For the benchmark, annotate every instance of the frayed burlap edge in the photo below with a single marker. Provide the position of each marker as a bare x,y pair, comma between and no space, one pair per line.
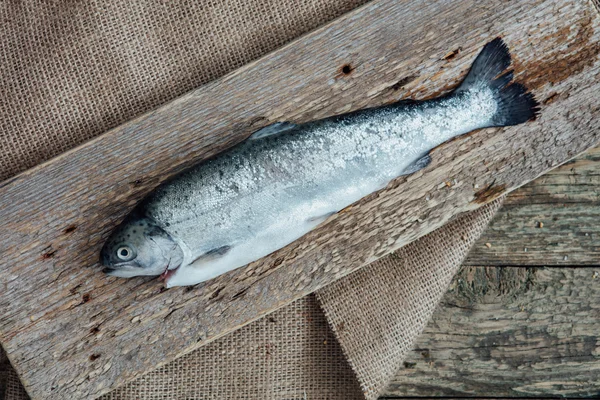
377,312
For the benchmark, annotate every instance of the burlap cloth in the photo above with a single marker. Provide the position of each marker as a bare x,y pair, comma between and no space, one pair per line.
72,70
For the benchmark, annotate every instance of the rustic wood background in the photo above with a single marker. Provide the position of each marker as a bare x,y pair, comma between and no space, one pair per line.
555,220
510,332
525,325
73,333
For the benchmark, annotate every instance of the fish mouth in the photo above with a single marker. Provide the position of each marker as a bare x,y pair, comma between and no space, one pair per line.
112,270
171,267
167,273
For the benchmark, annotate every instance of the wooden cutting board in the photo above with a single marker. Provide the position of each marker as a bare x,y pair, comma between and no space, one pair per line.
71,332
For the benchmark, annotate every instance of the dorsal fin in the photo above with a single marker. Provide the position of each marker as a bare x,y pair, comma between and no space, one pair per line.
273,129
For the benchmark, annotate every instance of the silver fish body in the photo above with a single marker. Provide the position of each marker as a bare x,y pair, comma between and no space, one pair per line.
286,179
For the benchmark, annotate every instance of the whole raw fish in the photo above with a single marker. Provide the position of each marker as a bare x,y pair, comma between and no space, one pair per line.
286,179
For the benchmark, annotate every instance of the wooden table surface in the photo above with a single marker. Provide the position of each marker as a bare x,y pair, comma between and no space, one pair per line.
522,317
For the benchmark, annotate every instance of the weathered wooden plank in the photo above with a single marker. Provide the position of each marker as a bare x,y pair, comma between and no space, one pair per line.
553,220
514,332
73,333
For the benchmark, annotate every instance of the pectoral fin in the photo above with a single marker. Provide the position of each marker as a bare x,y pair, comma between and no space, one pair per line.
210,255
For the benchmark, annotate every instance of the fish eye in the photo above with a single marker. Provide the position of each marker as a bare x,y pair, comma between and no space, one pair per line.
124,253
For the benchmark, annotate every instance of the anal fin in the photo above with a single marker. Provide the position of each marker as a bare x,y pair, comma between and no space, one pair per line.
273,129
320,218
417,165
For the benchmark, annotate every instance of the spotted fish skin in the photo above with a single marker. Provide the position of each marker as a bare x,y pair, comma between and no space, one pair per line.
286,179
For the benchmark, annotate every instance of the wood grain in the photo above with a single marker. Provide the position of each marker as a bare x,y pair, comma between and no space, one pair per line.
72,332
554,220
509,332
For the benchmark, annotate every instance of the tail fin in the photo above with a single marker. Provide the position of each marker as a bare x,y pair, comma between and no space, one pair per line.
515,104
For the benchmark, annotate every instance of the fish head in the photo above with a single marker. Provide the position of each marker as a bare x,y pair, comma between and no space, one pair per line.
140,247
